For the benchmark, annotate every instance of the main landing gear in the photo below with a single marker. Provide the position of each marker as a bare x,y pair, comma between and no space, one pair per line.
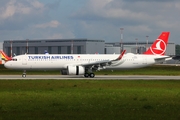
24,74
91,75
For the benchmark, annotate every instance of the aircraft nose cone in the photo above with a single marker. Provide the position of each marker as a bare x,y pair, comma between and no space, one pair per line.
7,65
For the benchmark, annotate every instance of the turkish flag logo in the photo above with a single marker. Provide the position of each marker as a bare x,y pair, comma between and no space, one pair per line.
159,47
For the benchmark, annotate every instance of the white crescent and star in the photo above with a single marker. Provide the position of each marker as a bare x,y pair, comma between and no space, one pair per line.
158,47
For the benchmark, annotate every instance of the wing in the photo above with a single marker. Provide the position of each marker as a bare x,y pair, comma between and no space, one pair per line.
103,62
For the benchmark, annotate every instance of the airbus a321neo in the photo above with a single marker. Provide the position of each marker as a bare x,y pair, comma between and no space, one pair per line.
85,64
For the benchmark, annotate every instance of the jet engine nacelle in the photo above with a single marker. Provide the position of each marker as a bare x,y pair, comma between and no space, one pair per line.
75,70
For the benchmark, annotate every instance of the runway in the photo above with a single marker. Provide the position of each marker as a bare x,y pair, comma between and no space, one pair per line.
97,77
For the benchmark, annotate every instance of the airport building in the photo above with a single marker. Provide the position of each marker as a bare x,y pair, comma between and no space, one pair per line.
139,48
76,46
54,46
1,45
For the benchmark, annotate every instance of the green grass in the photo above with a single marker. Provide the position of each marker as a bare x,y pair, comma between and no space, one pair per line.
89,99
151,70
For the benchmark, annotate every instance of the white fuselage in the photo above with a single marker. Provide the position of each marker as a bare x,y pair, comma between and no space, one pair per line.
61,61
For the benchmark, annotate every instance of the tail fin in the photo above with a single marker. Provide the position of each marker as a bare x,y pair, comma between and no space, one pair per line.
159,46
4,57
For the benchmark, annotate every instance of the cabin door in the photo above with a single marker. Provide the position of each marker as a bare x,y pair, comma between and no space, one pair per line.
24,60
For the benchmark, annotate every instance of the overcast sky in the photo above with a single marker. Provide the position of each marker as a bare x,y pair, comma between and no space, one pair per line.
91,19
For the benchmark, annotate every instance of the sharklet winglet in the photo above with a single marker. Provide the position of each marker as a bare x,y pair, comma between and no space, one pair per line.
121,55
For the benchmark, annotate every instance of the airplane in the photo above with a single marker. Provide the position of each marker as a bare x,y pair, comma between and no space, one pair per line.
85,64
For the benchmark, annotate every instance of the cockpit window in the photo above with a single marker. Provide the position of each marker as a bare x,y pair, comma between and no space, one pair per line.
14,59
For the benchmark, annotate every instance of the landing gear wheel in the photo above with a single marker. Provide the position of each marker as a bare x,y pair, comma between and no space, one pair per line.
91,75
86,75
23,75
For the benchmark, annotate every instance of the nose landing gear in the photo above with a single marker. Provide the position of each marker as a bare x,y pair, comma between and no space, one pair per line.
24,74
